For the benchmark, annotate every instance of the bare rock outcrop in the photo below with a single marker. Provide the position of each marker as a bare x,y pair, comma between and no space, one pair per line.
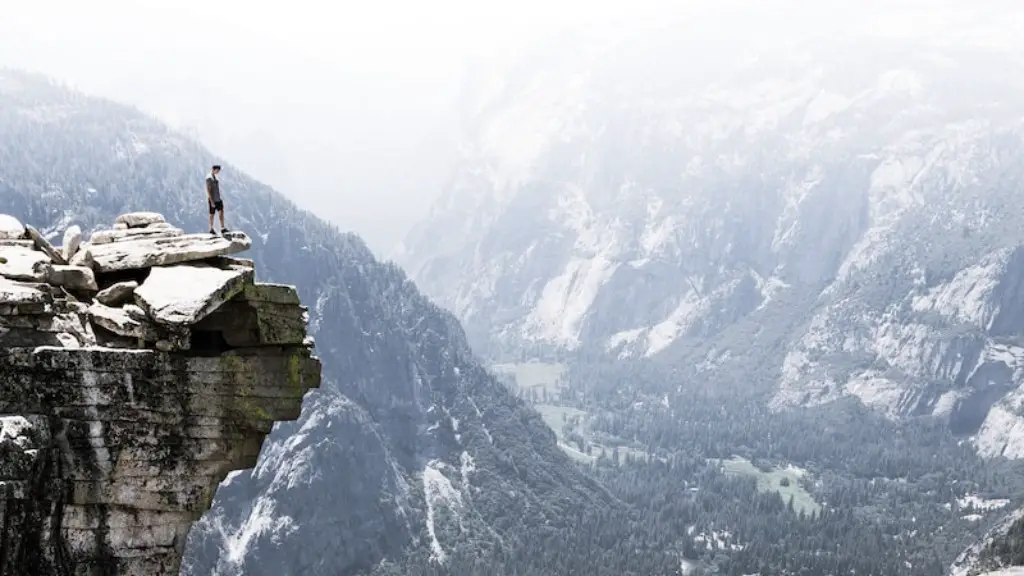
132,381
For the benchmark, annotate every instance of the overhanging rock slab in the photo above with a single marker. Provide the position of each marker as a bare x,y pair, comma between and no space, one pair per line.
150,252
184,294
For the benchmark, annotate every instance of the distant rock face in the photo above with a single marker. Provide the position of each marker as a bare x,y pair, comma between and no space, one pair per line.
820,228
129,391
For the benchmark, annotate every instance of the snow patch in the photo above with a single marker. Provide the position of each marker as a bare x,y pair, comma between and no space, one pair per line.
262,519
566,299
468,466
690,309
975,502
439,492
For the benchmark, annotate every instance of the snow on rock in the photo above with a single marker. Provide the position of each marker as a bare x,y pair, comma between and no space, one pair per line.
975,502
691,307
566,299
11,228
185,294
439,492
624,340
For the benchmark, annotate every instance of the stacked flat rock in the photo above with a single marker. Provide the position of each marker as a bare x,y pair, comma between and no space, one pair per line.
161,363
141,284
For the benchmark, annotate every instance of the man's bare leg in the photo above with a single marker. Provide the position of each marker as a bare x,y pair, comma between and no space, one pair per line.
222,226
211,221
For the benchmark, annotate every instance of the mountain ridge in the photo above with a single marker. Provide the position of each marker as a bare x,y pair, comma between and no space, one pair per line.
852,189
439,466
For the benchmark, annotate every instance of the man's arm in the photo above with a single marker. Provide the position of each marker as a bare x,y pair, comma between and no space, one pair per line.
209,191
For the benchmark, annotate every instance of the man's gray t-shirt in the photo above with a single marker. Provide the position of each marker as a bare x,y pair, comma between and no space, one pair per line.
213,188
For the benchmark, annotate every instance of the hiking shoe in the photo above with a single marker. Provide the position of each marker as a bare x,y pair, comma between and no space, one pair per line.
224,230
212,232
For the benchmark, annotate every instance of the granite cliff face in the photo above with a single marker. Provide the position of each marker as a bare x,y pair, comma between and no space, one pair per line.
136,371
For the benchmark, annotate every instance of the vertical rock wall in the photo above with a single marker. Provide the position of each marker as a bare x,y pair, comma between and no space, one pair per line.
136,371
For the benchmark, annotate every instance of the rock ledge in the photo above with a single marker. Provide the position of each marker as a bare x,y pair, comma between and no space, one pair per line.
137,369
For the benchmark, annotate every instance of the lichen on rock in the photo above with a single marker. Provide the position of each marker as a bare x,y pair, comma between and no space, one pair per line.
132,381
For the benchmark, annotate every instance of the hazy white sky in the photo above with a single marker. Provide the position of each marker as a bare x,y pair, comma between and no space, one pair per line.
350,107
347,107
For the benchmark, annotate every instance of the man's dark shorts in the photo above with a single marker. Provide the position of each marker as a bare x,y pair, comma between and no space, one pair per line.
216,206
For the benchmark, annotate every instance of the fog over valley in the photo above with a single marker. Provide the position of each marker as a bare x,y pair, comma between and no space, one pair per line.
606,288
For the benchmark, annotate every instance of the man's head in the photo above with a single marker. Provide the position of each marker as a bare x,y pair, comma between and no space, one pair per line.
216,169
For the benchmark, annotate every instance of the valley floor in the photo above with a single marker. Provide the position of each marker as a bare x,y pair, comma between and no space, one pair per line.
749,491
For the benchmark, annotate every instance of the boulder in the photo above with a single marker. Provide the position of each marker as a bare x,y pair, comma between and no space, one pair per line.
44,245
152,252
184,294
77,278
139,219
117,294
24,264
118,321
82,258
11,228
107,236
72,240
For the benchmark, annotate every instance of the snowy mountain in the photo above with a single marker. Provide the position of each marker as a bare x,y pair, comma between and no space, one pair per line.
410,459
839,219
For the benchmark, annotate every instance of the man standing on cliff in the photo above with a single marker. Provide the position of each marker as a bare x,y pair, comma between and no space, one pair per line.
216,204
